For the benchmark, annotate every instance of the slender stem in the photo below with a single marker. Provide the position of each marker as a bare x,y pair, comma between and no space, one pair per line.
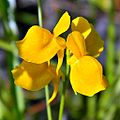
49,114
62,101
48,105
91,107
111,45
39,13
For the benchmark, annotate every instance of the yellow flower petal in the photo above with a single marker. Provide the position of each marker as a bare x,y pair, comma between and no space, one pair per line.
82,25
61,42
39,46
94,43
60,55
32,76
54,94
86,76
75,43
62,25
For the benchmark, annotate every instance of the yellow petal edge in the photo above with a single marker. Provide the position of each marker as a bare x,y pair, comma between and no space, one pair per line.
62,25
82,25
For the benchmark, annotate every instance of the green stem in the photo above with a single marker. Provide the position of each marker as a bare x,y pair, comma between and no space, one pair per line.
111,45
48,105
49,114
39,13
91,107
62,101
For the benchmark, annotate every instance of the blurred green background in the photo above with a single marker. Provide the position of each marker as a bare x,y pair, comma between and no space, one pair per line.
16,16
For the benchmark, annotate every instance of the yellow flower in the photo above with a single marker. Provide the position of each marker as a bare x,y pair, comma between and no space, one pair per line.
36,76
40,45
86,72
36,49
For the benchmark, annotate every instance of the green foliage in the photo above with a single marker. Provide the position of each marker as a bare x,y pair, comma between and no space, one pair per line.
4,5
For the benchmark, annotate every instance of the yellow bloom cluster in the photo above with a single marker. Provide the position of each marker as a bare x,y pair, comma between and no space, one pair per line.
39,46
